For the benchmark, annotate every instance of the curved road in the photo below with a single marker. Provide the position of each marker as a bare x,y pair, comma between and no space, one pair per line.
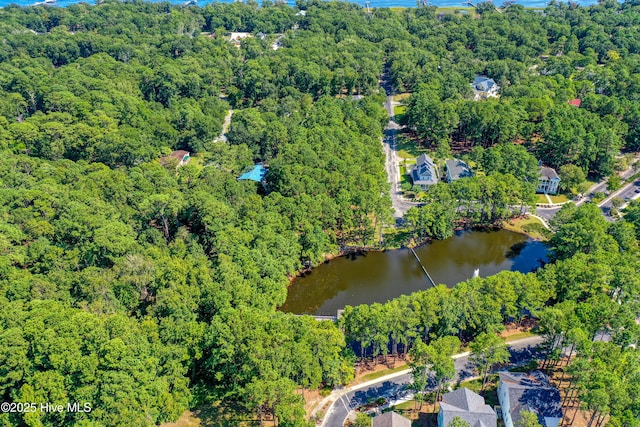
395,385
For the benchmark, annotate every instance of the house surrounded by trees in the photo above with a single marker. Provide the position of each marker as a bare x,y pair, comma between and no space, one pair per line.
484,87
182,156
529,392
468,406
548,180
456,169
424,173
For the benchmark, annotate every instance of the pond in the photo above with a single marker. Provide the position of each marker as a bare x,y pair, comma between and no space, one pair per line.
381,276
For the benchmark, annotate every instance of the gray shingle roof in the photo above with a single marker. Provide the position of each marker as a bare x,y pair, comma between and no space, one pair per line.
424,172
391,419
469,406
533,393
483,83
548,173
458,169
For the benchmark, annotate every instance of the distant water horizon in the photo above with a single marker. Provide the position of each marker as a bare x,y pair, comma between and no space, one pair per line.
373,3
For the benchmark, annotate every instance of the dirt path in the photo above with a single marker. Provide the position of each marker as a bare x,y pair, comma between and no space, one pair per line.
225,127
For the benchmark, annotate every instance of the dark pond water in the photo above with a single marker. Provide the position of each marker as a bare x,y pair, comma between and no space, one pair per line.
381,276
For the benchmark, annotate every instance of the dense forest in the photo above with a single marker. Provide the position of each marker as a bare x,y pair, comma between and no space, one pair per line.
146,289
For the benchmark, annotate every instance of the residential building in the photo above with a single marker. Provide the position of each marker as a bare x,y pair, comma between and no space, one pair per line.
182,156
424,173
575,102
548,180
237,37
484,87
256,174
529,392
456,169
467,405
390,419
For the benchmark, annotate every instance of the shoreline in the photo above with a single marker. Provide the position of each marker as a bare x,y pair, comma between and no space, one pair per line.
504,225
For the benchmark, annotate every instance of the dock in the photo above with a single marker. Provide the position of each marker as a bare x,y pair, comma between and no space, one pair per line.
426,273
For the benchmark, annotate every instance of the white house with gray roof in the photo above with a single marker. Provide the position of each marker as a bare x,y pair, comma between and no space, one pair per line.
548,180
456,169
424,173
484,87
467,405
523,392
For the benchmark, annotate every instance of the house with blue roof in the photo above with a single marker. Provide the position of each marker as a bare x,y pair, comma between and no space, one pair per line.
256,174
484,87
424,173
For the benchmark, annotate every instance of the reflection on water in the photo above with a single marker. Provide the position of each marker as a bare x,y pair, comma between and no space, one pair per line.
381,276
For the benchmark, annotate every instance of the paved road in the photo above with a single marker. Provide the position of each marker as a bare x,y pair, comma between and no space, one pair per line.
521,352
389,143
630,191
547,213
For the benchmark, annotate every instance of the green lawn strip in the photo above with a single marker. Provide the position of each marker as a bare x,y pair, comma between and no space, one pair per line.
376,375
400,97
559,198
519,336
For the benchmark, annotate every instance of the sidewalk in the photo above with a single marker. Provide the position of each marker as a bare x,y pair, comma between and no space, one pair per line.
542,220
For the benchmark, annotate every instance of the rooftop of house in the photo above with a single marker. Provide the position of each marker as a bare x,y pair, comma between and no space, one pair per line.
236,36
531,392
256,174
179,154
469,406
464,399
424,172
391,419
548,173
575,102
458,169
483,84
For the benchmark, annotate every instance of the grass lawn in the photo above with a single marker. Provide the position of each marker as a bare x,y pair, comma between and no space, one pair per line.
541,198
559,198
408,149
398,112
400,96
591,183
399,109
376,375
519,336
530,226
